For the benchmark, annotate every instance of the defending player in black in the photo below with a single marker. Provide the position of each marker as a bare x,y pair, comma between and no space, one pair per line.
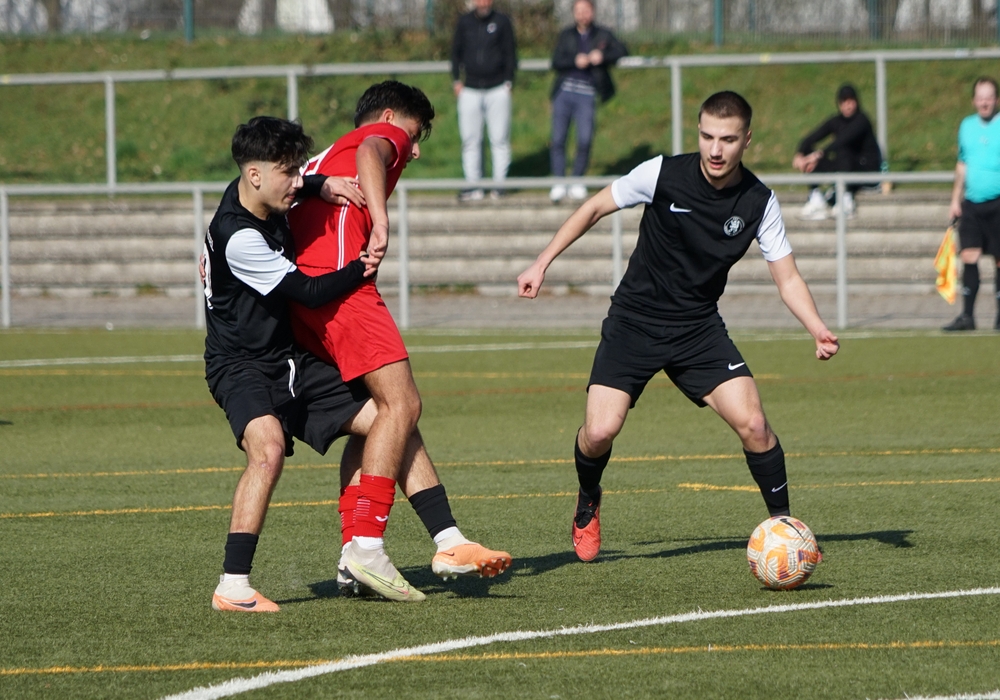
702,212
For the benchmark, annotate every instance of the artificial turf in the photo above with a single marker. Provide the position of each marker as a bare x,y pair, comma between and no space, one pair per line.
115,479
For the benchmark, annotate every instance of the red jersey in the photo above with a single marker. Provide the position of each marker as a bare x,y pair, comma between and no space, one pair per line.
328,236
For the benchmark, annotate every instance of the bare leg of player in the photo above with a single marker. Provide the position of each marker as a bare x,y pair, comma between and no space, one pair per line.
737,401
264,444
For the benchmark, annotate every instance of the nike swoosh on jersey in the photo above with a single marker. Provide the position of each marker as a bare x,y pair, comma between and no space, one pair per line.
675,208
732,366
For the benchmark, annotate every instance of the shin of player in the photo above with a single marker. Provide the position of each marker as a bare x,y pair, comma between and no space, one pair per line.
702,211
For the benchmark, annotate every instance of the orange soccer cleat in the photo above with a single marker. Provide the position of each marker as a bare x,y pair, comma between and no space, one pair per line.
470,559
238,596
587,527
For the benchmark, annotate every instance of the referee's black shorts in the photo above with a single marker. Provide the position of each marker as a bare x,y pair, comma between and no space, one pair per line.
697,357
307,395
980,226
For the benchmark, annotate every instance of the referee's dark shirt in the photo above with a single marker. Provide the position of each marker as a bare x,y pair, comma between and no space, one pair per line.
245,259
690,235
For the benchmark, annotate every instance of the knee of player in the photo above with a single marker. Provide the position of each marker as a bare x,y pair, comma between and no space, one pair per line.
756,428
599,435
269,460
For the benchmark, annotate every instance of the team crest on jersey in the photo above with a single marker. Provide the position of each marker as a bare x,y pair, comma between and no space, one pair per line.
491,27
733,226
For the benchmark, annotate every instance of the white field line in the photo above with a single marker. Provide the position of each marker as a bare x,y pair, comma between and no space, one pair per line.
414,350
242,685
992,695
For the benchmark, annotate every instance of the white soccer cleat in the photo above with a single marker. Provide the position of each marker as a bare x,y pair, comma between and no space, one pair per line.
371,569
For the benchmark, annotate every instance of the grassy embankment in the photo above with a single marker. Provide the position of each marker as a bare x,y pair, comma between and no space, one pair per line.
181,130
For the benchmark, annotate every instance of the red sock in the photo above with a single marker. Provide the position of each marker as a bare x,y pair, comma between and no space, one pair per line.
346,505
375,496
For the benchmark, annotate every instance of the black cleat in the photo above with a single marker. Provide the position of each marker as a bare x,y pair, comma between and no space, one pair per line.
962,323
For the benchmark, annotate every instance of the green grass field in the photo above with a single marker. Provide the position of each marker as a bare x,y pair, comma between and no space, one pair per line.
56,133
115,480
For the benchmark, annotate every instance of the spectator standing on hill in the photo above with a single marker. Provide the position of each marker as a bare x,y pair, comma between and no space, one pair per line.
484,48
975,198
581,59
854,149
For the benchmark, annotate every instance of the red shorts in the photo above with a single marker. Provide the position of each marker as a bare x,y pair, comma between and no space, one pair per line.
356,333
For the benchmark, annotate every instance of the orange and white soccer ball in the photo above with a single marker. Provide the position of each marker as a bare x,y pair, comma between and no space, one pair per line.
782,552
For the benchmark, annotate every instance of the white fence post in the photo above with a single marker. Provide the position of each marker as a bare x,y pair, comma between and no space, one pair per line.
4,258
110,147
404,259
198,209
676,107
293,96
841,253
881,106
616,249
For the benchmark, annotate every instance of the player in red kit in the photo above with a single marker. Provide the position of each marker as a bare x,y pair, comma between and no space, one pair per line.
358,335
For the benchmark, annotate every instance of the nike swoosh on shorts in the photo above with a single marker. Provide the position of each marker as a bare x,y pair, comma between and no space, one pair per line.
732,366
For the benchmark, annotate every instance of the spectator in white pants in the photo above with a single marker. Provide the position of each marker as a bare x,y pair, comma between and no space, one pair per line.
484,46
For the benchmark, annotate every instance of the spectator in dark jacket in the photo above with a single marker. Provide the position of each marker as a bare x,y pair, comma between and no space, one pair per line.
853,149
581,59
484,47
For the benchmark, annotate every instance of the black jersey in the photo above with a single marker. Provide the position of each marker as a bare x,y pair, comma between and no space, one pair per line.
690,235
245,259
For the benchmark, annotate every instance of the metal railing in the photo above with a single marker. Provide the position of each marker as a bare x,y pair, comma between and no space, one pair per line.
402,233
676,64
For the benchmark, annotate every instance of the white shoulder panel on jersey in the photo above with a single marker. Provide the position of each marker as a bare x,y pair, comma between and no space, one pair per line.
254,263
771,233
312,166
639,185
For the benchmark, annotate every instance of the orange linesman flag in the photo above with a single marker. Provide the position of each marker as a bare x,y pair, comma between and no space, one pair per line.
946,264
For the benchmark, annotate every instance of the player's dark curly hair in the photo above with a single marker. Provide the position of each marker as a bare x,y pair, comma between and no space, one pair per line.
405,100
727,104
271,140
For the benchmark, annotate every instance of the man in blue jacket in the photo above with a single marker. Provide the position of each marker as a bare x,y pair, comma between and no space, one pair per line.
485,48
581,59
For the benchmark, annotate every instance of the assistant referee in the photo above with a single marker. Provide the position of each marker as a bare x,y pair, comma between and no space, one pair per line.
702,212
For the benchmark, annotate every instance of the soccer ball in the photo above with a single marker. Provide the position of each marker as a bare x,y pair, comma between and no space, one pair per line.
782,552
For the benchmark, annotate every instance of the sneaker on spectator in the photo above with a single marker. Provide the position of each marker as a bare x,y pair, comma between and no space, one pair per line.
470,195
557,193
816,208
577,192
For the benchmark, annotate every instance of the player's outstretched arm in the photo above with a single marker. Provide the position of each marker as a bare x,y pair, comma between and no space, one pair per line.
579,222
374,157
795,293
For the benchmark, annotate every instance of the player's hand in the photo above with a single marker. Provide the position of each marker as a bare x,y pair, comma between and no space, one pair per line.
342,190
378,244
530,281
201,268
596,57
955,210
826,345
457,86
582,60
371,264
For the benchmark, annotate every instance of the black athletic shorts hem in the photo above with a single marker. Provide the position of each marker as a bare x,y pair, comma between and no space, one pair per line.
979,226
697,357
305,394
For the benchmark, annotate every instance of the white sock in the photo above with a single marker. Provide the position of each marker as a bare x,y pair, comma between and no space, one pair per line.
226,578
450,537
372,544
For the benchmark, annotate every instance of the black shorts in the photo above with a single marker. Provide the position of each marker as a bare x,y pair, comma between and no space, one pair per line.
980,226
307,395
697,357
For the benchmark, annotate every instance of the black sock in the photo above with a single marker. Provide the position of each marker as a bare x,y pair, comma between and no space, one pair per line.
589,471
970,287
433,509
768,470
240,548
